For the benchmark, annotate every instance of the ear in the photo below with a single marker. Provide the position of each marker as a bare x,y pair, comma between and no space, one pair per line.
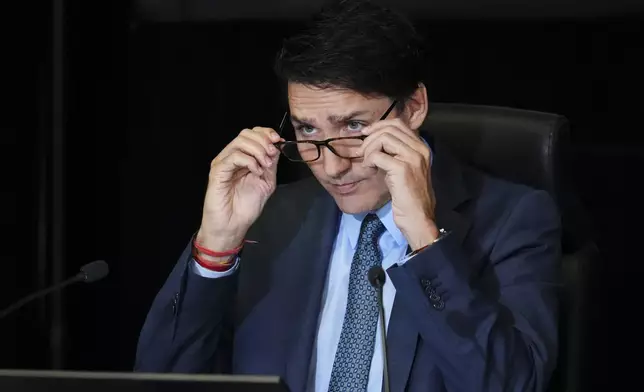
416,108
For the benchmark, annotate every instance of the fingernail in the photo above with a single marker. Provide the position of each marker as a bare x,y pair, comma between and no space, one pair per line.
272,149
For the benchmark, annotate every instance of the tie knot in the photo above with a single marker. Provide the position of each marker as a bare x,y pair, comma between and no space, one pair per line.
372,228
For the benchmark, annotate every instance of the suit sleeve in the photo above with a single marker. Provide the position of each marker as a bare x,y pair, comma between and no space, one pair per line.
186,328
493,327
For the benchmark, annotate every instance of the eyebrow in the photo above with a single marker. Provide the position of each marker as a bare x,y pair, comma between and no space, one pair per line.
332,119
345,118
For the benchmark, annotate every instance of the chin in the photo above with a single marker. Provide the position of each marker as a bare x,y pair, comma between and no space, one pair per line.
357,203
350,207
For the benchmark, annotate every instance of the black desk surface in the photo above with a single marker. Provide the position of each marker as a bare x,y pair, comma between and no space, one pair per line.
72,381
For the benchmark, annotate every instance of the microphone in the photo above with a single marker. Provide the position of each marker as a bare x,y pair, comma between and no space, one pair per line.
377,279
91,272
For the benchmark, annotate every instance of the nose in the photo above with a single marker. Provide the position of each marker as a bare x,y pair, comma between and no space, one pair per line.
334,166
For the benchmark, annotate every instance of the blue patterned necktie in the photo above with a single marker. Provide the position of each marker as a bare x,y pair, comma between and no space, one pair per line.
357,339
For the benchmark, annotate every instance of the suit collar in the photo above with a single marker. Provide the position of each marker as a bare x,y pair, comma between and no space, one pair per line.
446,176
450,190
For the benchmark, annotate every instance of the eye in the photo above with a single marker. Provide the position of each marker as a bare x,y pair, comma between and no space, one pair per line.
305,130
354,126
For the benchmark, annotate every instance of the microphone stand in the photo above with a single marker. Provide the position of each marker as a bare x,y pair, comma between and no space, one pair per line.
38,294
383,336
90,272
377,278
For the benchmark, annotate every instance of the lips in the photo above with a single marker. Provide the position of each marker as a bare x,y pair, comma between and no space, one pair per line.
347,188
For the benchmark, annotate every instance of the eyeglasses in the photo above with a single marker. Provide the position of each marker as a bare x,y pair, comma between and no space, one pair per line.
309,150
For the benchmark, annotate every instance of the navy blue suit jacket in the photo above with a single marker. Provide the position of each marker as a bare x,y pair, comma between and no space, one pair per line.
477,311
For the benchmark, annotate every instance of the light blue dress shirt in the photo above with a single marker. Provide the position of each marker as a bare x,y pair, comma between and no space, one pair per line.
334,301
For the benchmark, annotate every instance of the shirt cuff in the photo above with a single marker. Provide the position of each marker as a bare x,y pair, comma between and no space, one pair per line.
206,273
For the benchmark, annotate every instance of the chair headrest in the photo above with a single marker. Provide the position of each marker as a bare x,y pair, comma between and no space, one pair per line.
517,145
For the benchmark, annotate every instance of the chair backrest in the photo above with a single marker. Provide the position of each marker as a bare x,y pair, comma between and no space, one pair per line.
528,147
522,146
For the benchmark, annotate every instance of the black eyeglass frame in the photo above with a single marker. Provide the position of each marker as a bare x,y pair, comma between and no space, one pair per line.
321,143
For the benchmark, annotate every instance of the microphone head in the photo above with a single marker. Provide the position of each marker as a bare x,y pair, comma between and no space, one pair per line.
377,276
96,270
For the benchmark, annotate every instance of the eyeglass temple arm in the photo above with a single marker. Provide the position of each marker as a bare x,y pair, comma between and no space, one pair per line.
281,127
393,104
282,123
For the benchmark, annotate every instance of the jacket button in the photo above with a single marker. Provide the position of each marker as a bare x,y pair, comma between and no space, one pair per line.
439,305
175,303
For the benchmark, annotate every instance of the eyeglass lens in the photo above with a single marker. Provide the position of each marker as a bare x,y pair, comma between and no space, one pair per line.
307,152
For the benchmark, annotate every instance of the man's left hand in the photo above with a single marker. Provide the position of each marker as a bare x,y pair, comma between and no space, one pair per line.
405,159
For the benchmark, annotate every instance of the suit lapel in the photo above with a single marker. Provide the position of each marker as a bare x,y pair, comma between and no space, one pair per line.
402,338
308,260
450,192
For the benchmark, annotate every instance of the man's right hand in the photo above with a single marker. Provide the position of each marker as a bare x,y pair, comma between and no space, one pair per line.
242,178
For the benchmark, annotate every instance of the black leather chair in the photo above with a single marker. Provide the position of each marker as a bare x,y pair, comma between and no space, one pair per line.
531,148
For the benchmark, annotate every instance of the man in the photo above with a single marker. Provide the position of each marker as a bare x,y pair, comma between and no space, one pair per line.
471,261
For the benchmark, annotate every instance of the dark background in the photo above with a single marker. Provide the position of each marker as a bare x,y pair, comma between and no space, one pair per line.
149,101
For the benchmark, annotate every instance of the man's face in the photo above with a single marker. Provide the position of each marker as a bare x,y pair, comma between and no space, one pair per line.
320,114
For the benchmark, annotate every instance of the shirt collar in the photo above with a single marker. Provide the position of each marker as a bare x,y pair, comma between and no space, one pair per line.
352,223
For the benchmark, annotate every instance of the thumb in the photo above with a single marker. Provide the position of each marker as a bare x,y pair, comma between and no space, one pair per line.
271,171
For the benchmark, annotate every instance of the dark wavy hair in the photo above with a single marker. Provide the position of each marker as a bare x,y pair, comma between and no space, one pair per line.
356,45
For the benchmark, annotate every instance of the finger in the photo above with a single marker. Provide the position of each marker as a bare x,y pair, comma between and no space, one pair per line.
264,137
270,133
386,142
412,150
274,160
271,172
381,160
239,160
407,135
252,147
